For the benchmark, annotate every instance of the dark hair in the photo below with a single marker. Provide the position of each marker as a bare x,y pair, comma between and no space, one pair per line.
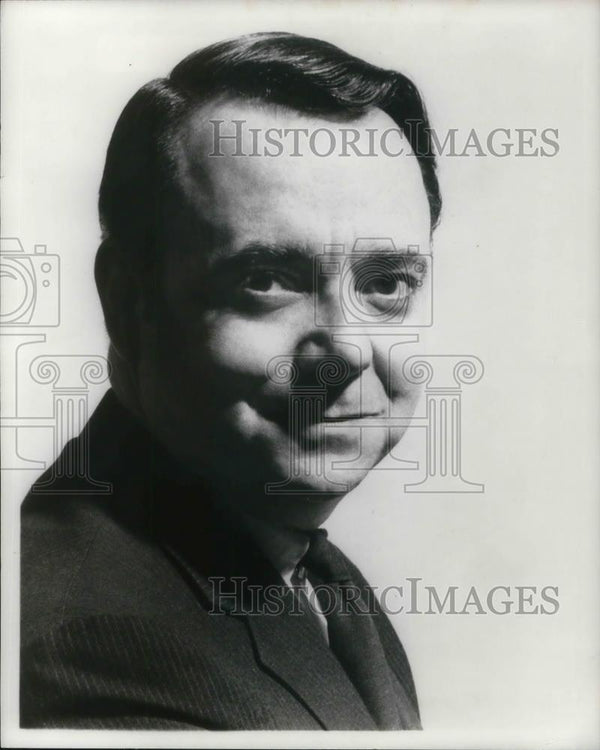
307,75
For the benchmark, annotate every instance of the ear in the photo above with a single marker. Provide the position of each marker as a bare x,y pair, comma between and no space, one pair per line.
120,295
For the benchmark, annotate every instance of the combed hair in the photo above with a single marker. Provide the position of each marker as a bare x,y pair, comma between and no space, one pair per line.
307,75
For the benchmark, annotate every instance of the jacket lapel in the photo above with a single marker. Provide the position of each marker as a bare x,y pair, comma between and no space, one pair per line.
292,648
288,646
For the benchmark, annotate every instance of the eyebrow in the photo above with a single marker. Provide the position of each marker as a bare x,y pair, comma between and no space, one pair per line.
383,250
266,252
294,255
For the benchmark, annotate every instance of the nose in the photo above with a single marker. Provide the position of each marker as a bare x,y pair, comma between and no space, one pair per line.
330,335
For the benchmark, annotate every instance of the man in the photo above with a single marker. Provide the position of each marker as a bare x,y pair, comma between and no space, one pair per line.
196,595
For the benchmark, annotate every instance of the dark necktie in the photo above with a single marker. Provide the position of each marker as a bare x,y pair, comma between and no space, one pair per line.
353,637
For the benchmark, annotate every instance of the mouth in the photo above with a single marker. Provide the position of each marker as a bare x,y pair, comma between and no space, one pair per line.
340,432
331,417
351,417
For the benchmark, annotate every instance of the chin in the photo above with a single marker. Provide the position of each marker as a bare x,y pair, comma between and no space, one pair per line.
301,507
317,476
339,482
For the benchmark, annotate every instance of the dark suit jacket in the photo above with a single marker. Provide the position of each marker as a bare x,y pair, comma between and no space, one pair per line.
115,602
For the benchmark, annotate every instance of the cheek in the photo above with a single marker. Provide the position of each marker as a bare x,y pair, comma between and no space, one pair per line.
389,357
238,346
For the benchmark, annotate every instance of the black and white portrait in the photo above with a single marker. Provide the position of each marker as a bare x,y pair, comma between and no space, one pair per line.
299,373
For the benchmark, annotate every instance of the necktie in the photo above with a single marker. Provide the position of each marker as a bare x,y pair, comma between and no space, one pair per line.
353,636
299,581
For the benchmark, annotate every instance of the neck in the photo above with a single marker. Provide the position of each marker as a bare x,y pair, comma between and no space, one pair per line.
280,525
283,547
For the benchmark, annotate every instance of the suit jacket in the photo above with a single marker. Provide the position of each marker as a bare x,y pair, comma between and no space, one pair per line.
117,592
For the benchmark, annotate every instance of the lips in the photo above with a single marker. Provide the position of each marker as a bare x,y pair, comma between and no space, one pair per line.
351,417
280,414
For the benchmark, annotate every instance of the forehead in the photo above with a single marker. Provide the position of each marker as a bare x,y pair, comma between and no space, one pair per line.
299,196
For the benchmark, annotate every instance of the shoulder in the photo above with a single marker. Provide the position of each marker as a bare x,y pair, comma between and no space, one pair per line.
86,554
110,627
80,557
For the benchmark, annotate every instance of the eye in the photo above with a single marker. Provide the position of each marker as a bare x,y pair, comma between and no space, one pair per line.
268,289
386,285
264,282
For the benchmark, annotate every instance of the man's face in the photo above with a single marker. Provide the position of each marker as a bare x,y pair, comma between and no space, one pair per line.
241,294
